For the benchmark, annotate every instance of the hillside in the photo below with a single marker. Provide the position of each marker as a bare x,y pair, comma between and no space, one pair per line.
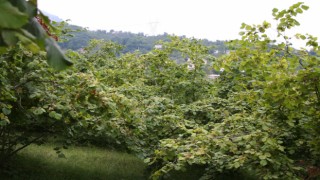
130,41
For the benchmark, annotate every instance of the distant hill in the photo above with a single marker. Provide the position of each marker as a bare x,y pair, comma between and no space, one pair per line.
130,41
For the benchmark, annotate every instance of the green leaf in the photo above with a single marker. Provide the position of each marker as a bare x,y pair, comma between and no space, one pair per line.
29,43
263,162
6,111
295,5
305,7
11,17
236,165
36,30
147,160
262,157
281,13
56,58
25,7
266,25
299,10
55,115
274,10
243,25
39,111
261,29
9,37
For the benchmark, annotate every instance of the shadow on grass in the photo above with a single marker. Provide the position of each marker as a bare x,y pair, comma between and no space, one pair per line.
91,163
36,168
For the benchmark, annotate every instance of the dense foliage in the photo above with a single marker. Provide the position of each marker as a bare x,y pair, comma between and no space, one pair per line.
260,118
265,114
25,33
21,21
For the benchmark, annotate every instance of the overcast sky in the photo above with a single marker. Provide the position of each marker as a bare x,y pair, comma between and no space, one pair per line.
211,19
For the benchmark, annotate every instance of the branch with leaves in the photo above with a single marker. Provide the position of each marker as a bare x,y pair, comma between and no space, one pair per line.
22,21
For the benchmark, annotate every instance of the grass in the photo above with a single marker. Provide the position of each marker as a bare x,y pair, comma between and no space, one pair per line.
88,163
81,163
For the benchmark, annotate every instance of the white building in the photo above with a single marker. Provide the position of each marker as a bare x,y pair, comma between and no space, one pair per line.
158,46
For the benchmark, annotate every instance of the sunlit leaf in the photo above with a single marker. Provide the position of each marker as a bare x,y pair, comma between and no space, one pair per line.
55,115
305,7
39,111
274,10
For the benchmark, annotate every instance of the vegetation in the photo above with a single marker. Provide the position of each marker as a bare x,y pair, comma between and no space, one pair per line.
40,162
131,42
260,119
265,110
21,21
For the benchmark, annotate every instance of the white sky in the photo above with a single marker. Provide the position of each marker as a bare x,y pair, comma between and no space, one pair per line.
211,19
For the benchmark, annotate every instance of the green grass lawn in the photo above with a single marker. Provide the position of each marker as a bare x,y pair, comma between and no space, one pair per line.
41,162
87,163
